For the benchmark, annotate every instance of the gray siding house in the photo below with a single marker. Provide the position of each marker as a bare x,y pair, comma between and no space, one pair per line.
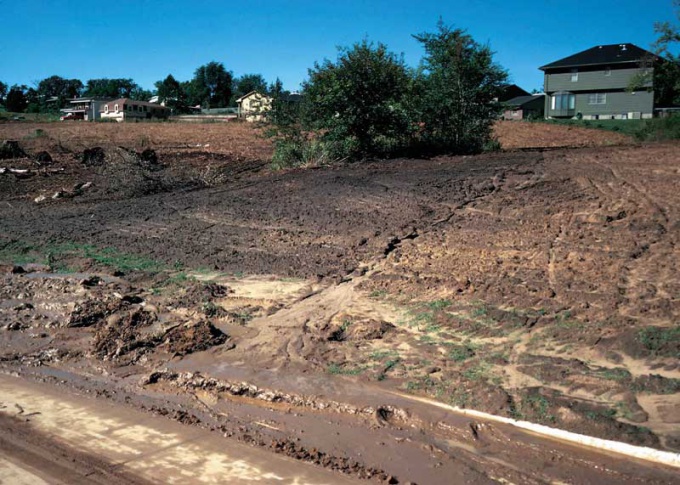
593,84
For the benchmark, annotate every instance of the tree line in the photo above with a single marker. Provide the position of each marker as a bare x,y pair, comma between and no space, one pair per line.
212,86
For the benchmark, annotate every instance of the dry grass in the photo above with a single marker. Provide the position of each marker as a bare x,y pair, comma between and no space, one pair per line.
246,142
517,134
240,140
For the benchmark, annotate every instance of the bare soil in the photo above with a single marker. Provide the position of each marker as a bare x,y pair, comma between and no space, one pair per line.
538,284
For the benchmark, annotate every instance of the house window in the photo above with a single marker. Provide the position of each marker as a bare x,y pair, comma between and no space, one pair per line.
106,108
608,71
574,75
597,98
563,101
115,108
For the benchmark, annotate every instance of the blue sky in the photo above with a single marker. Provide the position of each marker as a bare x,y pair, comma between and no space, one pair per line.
148,39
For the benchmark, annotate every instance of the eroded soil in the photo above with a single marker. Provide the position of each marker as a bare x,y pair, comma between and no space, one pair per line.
286,309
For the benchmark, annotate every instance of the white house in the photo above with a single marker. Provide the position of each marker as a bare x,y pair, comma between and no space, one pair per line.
254,106
88,109
125,109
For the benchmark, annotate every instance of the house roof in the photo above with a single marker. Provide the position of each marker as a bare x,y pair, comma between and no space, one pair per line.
602,54
520,101
124,101
88,99
509,91
252,93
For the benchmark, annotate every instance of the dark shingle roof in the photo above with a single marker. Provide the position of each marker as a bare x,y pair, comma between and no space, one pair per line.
602,54
522,100
509,91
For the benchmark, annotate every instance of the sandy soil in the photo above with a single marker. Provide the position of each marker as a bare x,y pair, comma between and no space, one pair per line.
286,308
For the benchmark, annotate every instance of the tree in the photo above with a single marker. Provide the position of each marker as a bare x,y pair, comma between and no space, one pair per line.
171,93
247,83
3,92
359,100
211,86
661,71
140,94
276,88
110,88
667,73
57,89
16,101
454,92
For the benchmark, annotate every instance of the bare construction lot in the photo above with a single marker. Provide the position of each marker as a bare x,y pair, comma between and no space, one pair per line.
165,268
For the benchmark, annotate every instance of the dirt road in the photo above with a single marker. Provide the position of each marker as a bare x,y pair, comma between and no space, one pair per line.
73,439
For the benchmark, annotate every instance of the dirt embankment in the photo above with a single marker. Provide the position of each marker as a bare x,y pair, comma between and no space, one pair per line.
535,285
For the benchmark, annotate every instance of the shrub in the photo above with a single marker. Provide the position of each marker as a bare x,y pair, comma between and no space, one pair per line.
660,129
455,92
358,103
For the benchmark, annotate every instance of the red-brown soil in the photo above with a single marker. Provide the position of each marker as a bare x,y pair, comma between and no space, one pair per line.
539,285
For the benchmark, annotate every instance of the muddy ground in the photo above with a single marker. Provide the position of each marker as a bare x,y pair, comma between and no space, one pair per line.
285,307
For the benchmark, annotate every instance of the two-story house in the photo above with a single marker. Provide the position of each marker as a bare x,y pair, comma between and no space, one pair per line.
88,109
593,84
254,106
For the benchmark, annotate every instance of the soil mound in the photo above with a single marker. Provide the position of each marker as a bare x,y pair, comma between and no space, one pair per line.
194,337
43,158
123,173
122,336
10,149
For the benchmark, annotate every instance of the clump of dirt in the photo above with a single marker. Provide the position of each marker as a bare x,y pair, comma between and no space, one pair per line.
356,330
193,337
344,465
93,157
149,160
121,336
368,329
43,158
92,311
123,173
10,149
202,295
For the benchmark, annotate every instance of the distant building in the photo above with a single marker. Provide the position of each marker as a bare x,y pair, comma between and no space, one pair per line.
510,91
125,109
254,106
524,107
592,84
88,109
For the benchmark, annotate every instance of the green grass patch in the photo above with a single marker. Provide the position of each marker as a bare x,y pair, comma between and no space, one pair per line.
58,255
626,127
18,252
645,130
438,305
616,374
540,407
479,371
336,369
661,341
382,354
460,353
378,294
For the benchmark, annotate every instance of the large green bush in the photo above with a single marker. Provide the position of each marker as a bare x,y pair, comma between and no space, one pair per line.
359,101
369,104
455,92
